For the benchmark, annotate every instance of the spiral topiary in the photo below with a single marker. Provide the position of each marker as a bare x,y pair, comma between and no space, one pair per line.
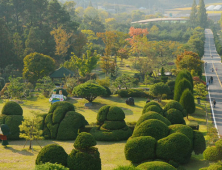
52,153
176,147
139,149
12,116
151,127
152,115
150,104
62,122
112,126
157,165
84,156
174,116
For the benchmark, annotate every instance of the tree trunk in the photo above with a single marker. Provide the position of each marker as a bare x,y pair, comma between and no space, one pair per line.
30,145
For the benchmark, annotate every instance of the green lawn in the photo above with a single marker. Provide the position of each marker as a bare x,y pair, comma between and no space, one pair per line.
112,153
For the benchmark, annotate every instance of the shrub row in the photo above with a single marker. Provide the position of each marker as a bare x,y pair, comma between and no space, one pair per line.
133,93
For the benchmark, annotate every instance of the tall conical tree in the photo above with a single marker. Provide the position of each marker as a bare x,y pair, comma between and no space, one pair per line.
202,14
193,14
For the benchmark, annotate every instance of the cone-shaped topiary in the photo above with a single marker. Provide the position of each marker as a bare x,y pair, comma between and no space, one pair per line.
139,149
62,122
174,116
157,165
150,104
112,126
52,153
184,74
12,116
182,85
84,156
84,140
151,127
176,147
187,101
199,143
152,115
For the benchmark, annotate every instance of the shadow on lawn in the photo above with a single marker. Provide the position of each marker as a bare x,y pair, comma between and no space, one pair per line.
22,152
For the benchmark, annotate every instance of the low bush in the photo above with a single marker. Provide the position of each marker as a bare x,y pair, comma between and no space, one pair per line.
114,135
199,143
176,147
139,149
52,153
132,93
115,114
126,168
150,104
13,122
215,166
152,115
50,166
12,108
212,154
114,125
152,127
84,140
157,165
174,116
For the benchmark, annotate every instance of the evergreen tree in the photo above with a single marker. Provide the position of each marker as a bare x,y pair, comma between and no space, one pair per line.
164,78
202,15
180,87
187,101
193,14
18,49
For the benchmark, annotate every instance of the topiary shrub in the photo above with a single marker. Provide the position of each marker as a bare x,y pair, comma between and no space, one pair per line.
171,85
150,104
84,156
176,147
212,154
132,93
12,108
139,149
126,168
50,166
182,85
184,74
199,143
174,116
62,122
155,109
173,105
108,92
151,127
152,115
64,92
112,126
52,153
157,165
216,166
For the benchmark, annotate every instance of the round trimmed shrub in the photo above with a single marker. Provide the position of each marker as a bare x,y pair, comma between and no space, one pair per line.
50,166
111,135
87,160
139,149
218,144
126,168
114,125
199,143
12,108
52,153
115,114
173,105
174,116
102,114
216,166
155,109
152,115
212,154
176,147
151,127
179,89
64,92
13,122
84,140
184,129
150,104
157,165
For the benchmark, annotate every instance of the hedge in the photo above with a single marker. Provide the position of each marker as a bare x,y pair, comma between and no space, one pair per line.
84,140
157,165
152,115
139,149
212,154
12,108
115,114
133,93
114,125
114,135
13,122
102,113
199,143
174,116
50,166
151,127
88,160
150,104
52,153
176,147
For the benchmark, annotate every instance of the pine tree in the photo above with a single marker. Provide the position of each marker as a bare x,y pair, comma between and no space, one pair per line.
202,15
187,101
29,130
193,14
